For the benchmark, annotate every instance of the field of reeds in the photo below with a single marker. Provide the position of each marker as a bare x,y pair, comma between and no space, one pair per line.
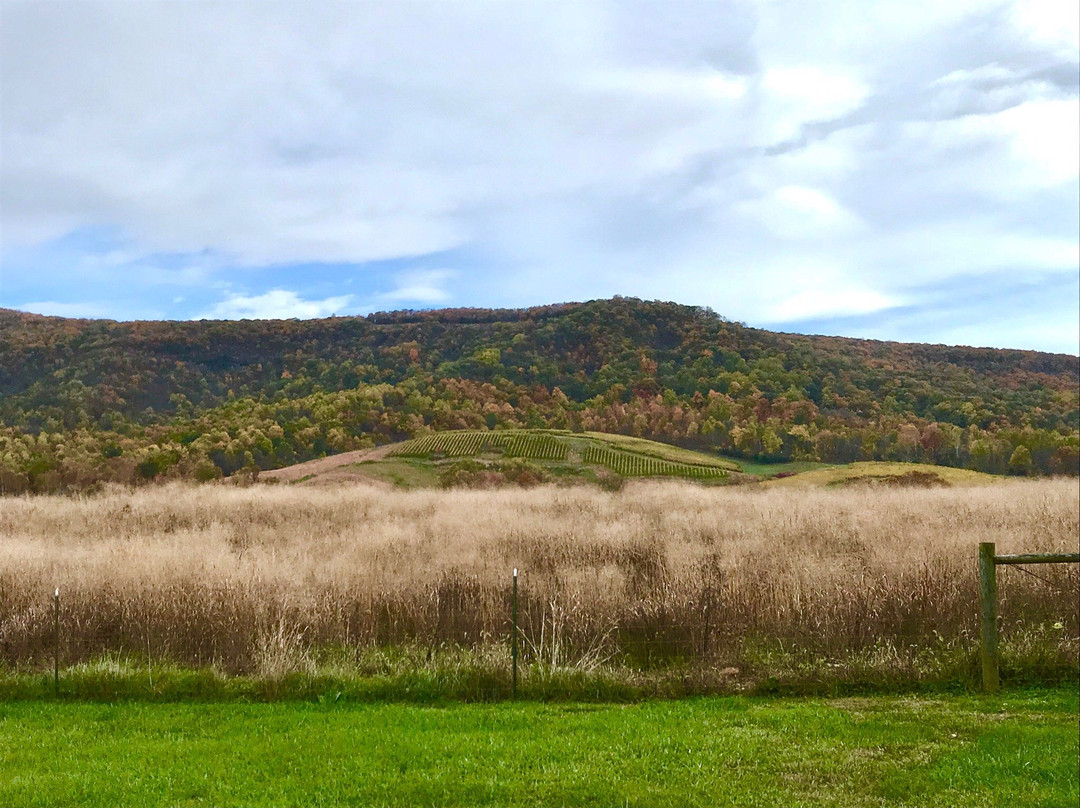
712,588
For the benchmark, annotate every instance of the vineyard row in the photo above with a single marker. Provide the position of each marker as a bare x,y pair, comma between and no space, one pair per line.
632,465
466,444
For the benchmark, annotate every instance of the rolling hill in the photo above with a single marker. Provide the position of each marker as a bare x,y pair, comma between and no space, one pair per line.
878,473
521,456
85,401
532,456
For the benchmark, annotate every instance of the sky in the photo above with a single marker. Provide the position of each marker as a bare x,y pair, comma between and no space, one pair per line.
891,170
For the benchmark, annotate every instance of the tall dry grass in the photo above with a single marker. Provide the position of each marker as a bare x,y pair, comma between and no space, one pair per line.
265,579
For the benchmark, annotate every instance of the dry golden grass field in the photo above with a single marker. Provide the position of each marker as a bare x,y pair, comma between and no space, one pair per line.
736,585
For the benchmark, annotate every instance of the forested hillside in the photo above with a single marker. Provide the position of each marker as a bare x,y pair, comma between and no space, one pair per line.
83,401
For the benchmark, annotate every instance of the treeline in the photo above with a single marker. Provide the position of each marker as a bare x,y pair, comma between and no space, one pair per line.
87,401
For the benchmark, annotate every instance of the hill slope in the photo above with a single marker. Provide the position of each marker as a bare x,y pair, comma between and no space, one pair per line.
877,473
522,456
86,400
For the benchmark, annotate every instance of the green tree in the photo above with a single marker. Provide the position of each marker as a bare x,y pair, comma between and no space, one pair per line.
1020,461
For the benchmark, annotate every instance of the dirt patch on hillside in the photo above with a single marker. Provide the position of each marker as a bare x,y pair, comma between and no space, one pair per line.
329,469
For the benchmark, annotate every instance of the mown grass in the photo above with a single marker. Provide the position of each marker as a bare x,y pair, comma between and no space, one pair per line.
401,472
772,469
1020,749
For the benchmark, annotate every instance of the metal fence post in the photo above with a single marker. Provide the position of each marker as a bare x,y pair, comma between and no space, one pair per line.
988,596
514,641
56,642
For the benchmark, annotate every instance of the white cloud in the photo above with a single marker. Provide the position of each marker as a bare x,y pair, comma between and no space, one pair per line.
1053,24
831,302
542,152
816,92
1044,140
1025,148
991,72
277,304
798,212
425,287
695,85
418,288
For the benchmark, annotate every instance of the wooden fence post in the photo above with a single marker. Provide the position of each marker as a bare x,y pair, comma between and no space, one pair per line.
988,596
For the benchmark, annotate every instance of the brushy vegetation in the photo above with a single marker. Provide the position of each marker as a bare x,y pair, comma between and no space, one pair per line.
876,473
662,588
1017,750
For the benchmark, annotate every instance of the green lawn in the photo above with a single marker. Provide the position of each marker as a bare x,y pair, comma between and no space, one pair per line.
402,472
1018,749
772,469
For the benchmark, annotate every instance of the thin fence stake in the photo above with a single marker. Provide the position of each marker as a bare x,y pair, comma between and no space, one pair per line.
988,595
56,642
514,640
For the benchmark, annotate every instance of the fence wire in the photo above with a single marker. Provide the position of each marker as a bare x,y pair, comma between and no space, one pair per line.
26,636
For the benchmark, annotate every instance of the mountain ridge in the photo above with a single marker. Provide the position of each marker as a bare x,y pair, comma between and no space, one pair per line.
677,373
480,315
